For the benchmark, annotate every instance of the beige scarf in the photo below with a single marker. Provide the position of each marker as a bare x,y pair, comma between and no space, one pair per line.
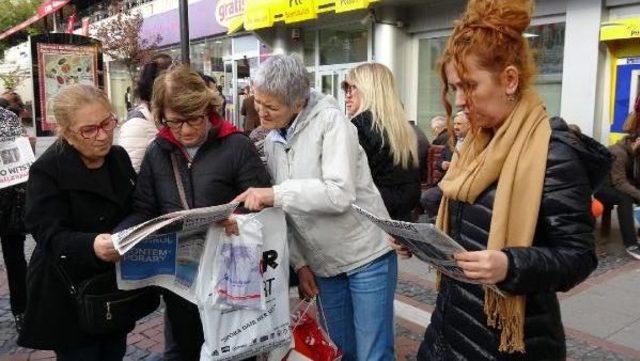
516,157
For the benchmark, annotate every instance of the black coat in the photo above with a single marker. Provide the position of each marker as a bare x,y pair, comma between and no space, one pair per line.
65,211
222,168
399,187
442,138
562,256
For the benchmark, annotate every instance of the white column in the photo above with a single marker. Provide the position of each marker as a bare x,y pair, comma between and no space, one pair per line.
389,44
580,70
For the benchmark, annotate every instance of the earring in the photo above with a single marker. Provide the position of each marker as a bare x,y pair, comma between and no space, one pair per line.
511,98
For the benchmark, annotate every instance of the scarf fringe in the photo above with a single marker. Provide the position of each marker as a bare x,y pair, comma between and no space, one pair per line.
507,315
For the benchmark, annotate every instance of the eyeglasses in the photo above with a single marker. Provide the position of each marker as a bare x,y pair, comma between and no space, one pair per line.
91,131
347,87
177,124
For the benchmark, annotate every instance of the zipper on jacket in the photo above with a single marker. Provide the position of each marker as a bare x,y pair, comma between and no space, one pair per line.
108,315
458,220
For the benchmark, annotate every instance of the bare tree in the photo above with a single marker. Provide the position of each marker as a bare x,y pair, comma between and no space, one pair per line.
121,40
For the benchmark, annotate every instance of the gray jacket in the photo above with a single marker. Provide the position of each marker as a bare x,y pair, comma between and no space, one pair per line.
318,172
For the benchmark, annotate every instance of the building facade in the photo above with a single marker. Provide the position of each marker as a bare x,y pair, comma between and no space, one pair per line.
587,51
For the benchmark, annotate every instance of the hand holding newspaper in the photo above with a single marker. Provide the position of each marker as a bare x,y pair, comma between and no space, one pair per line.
427,243
192,219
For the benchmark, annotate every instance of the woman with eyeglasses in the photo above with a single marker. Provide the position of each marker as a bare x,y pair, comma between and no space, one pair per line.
391,144
319,171
215,163
77,192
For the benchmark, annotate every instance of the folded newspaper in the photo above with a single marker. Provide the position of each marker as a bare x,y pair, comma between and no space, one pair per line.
426,242
186,220
166,251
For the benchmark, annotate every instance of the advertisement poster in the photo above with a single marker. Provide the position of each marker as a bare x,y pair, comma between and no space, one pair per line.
16,156
155,256
61,65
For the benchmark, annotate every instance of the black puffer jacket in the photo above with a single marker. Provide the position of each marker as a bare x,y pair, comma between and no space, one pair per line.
399,187
561,257
222,168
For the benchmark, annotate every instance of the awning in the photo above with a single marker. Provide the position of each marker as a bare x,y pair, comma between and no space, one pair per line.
620,29
261,14
48,7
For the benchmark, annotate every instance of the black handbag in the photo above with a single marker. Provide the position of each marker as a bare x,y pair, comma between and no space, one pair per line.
103,309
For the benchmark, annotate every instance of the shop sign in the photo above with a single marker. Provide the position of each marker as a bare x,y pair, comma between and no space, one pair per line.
620,29
230,13
349,5
258,15
298,10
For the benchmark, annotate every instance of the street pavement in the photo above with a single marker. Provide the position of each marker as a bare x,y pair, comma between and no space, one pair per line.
601,315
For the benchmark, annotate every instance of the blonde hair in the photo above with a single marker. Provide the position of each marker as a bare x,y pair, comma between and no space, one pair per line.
183,91
380,96
70,99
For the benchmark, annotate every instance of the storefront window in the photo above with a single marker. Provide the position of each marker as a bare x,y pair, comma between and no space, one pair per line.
547,44
429,83
309,44
344,44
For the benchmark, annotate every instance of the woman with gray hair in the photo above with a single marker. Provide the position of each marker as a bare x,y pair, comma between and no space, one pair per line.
319,170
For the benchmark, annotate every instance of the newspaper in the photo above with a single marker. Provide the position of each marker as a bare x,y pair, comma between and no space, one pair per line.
16,156
186,261
186,220
427,243
166,251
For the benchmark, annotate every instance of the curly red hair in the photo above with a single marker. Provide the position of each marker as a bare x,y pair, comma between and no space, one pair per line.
491,33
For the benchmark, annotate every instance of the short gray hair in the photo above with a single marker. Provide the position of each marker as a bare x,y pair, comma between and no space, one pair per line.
438,122
283,76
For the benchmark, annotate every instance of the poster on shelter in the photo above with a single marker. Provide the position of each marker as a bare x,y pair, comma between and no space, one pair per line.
59,66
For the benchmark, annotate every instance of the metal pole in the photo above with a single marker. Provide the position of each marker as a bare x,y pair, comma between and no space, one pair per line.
184,30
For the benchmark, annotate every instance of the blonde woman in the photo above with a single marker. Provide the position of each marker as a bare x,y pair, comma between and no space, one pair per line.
385,134
78,190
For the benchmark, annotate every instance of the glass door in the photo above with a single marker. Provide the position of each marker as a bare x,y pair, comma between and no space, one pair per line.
329,82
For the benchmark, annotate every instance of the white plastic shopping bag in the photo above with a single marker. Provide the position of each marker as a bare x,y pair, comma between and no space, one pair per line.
236,334
237,280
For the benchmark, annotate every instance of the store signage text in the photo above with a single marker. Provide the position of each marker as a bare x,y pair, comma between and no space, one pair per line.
227,10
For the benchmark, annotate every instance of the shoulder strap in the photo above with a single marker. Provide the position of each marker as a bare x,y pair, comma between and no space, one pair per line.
176,174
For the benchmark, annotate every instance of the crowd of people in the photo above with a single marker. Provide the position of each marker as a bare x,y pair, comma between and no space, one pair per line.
499,153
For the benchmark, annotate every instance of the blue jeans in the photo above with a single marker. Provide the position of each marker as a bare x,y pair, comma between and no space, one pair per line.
358,307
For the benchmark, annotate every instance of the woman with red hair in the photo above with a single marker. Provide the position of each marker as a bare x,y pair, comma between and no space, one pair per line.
517,196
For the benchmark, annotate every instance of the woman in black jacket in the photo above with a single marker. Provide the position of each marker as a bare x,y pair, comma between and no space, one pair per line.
517,197
78,190
215,162
386,135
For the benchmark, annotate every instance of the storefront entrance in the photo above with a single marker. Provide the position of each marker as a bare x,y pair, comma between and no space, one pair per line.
329,80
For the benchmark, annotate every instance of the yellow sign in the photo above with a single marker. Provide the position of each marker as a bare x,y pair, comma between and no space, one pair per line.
258,15
620,29
294,11
325,6
349,5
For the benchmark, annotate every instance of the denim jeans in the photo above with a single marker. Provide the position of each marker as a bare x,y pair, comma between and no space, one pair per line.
358,307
